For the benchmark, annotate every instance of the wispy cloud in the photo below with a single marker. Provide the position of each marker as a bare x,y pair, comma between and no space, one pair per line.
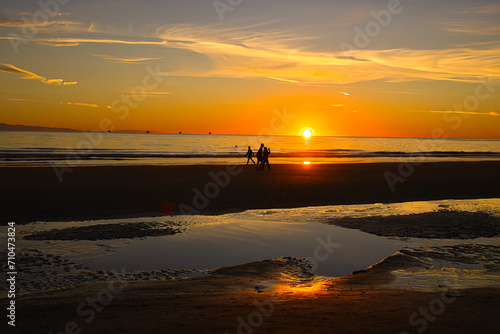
27,23
454,64
492,113
101,41
478,20
470,27
52,43
279,55
478,44
283,79
19,100
260,55
125,60
90,105
75,41
31,14
481,10
8,68
158,93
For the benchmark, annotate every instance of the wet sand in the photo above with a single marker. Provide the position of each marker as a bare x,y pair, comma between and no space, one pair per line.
109,231
31,194
442,224
274,296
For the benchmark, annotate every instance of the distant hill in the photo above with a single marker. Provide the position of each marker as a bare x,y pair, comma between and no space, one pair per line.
17,127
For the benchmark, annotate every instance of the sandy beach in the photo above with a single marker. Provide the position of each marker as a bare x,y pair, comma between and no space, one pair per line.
275,296
30,194
407,292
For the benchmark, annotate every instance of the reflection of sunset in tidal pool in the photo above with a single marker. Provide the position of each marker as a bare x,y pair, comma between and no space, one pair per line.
307,288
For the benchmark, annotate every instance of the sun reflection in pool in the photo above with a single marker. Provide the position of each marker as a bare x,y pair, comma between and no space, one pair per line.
309,288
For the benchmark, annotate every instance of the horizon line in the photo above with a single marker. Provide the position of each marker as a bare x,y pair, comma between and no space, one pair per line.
135,132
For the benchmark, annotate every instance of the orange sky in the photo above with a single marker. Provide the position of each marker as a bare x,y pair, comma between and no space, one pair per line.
188,67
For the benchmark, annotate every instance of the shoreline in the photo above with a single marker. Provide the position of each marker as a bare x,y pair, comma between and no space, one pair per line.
237,162
35,193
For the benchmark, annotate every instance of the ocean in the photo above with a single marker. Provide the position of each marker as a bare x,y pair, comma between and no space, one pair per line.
19,148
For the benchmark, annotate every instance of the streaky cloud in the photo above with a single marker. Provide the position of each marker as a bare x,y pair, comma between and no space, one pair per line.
158,93
480,10
62,44
259,55
245,53
27,23
478,20
8,68
80,104
491,113
285,80
351,58
470,27
126,60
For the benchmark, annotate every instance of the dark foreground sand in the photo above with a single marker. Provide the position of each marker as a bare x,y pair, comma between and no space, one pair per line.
263,297
274,296
30,194
408,292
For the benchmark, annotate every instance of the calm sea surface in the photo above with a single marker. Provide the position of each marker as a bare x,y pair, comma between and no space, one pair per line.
80,148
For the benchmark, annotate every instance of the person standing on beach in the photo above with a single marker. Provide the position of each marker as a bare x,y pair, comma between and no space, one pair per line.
249,155
265,158
259,155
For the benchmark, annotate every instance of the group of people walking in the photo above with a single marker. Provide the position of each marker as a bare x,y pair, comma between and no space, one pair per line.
262,157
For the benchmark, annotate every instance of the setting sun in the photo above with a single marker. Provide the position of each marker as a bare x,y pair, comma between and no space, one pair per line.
307,133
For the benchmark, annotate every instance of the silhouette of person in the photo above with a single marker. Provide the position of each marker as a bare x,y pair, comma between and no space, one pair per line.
249,155
265,158
259,155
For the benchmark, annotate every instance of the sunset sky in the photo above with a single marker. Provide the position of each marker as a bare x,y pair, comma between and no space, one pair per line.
341,67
